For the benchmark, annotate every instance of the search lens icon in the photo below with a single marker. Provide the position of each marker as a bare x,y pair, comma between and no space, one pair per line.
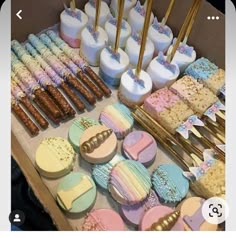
215,210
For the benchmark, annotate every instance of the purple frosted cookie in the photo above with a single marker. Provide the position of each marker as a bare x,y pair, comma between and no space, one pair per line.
140,146
134,213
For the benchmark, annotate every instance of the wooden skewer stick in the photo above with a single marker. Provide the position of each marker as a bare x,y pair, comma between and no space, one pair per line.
190,26
169,9
119,24
98,10
144,37
183,30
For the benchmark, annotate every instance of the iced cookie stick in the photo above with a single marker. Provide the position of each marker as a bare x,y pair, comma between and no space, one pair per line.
63,71
42,77
23,117
33,87
55,77
70,64
79,62
21,97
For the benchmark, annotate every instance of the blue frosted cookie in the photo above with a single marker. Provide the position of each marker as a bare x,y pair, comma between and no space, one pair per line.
101,172
169,183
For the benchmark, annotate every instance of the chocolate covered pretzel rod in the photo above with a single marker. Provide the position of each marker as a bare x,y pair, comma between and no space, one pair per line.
21,97
42,77
33,87
55,77
23,117
70,64
63,71
79,61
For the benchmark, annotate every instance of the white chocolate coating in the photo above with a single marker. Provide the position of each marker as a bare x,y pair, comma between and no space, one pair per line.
129,4
131,91
161,76
91,12
160,40
112,68
90,50
182,60
111,32
133,50
136,21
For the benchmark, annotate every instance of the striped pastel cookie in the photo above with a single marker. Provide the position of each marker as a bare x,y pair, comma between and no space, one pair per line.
101,172
129,182
169,183
118,118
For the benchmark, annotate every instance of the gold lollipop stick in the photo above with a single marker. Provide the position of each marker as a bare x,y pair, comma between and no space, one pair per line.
98,10
183,30
190,26
168,12
119,24
216,125
144,37
72,5
215,134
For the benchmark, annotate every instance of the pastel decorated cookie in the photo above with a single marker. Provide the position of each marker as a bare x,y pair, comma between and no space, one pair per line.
161,36
101,172
191,212
110,28
133,214
92,44
155,214
129,4
136,17
72,23
90,10
98,144
140,146
162,73
103,220
133,46
113,65
169,183
134,90
76,192
54,157
77,129
129,182
117,117
184,56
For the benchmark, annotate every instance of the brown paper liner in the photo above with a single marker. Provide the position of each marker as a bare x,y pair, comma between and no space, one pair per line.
24,119
93,88
81,89
73,97
34,112
60,101
47,102
98,81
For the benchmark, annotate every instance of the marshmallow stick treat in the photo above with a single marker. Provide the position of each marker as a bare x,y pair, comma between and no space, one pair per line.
185,54
129,4
93,38
136,84
33,87
71,65
72,23
21,97
162,70
57,80
73,55
43,78
23,117
63,71
114,61
160,34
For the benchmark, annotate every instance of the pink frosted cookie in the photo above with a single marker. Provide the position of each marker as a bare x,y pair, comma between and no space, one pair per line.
154,214
103,220
133,214
140,146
